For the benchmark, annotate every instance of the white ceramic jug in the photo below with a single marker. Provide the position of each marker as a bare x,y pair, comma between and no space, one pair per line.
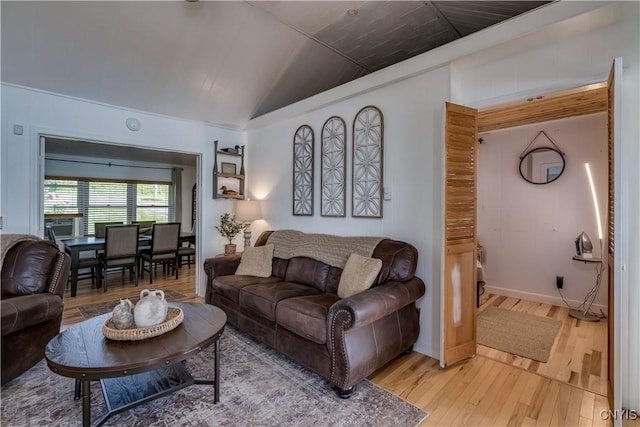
122,315
151,309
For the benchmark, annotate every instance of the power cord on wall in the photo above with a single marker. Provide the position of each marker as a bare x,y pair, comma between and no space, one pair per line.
588,299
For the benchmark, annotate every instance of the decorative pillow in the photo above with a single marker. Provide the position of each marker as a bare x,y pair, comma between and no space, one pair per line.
358,275
256,261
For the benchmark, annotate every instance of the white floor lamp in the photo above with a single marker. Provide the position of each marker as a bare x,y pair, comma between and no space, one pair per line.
248,211
582,312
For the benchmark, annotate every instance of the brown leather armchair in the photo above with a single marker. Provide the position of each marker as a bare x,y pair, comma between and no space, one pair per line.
34,277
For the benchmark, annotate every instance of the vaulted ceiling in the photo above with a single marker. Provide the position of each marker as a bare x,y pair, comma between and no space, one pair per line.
223,62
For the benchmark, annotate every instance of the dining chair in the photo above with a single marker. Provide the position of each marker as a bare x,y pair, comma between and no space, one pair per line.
145,230
87,260
165,238
186,252
120,250
99,227
145,226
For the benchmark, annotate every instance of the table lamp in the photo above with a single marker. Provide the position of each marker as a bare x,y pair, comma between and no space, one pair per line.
247,211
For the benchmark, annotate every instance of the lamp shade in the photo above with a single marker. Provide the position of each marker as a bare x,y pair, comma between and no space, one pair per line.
248,210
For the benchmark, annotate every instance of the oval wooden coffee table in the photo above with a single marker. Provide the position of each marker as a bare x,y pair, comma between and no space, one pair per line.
134,372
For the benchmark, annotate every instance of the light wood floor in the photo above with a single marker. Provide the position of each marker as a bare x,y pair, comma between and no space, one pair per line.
578,356
493,389
499,389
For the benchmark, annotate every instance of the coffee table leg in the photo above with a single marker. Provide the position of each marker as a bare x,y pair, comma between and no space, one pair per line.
76,393
216,398
86,403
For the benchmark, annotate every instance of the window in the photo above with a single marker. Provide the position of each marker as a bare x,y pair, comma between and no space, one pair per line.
60,196
152,202
107,201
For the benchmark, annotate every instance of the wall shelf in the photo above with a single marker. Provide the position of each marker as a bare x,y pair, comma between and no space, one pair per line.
230,196
230,175
226,153
233,181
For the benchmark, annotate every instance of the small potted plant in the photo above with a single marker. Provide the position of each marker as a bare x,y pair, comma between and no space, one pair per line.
229,228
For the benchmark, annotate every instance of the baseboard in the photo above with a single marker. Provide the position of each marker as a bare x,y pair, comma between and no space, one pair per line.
546,299
427,350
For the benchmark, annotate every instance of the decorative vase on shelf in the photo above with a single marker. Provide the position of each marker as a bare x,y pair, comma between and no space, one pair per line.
122,314
151,309
229,249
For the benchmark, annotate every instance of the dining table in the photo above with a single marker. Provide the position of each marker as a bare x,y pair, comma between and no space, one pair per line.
75,245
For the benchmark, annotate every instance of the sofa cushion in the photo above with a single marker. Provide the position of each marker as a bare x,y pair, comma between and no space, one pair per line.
306,316
279,267
256,261
21,312
230,286
27,266
308,271
263,298
358,275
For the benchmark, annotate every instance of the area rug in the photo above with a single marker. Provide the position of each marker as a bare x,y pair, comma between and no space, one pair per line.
91,310
517,333
259,387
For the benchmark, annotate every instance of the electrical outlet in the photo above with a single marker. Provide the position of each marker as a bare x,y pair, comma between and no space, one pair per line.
559,281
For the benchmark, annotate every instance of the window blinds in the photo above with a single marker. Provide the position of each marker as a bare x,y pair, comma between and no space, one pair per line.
107,201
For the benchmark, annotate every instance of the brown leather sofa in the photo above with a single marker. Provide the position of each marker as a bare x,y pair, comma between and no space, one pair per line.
297,310
34,277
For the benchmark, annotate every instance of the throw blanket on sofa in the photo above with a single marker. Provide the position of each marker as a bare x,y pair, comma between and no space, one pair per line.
7,241
330,249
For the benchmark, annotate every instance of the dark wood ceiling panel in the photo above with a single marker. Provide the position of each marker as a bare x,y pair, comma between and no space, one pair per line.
384,33
471,16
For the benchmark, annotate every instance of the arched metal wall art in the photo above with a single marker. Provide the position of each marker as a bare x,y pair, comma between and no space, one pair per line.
303,142
368,136
333,168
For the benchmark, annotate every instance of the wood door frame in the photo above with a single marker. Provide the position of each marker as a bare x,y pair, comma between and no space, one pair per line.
614,385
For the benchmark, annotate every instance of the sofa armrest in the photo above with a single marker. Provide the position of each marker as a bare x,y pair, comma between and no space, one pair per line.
60,275
221,266
375,303
24,311
368,329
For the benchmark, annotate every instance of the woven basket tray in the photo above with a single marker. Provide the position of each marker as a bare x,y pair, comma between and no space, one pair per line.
175,316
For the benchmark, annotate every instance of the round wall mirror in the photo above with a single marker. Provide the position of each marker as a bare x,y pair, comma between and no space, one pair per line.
542,165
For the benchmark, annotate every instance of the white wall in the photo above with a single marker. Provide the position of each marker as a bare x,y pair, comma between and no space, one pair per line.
413,113
44,113
528,230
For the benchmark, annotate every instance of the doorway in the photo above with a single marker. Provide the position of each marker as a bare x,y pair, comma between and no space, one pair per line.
149,184
590,99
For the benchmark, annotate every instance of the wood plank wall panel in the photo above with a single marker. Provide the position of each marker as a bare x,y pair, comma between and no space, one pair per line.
576,102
